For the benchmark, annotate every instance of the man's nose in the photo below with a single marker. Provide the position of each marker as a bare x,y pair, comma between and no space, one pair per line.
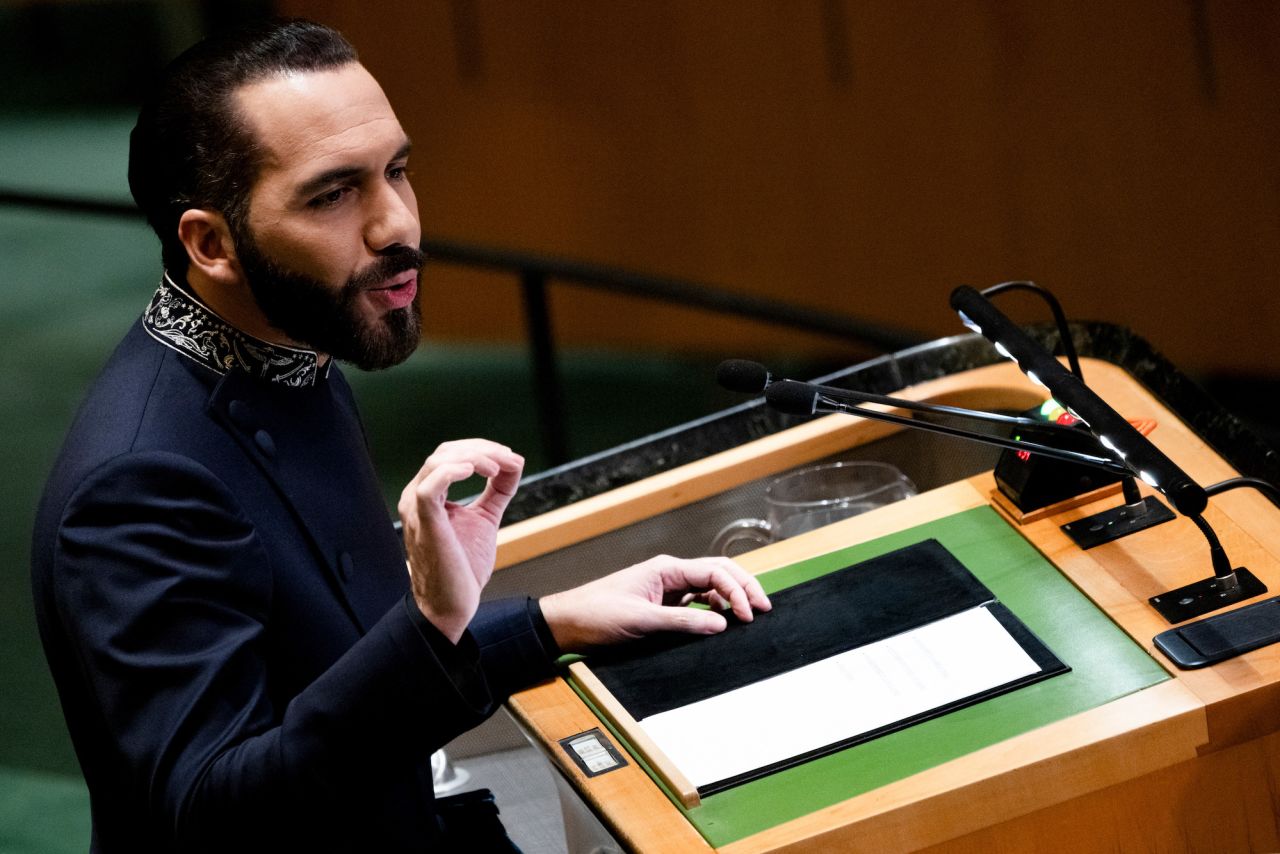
392,219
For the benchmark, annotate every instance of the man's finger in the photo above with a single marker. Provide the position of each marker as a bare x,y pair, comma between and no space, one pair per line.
501,487
748,583
722,576
676,618
755,592
490,458
432,490
466,447
475,450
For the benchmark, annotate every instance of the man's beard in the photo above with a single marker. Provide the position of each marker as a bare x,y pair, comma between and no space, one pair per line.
310,312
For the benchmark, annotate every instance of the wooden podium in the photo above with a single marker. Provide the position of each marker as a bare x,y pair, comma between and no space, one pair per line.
1189,764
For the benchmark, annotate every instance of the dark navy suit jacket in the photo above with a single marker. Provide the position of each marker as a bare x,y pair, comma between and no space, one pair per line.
223,603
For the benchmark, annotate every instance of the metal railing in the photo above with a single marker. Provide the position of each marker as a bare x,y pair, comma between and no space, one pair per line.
536,272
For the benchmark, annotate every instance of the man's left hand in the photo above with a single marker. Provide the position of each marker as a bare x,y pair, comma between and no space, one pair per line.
451,546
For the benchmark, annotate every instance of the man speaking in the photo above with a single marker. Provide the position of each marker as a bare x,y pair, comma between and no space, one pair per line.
243,660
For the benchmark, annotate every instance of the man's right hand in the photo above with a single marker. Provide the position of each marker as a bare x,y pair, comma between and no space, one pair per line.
452,547
652,597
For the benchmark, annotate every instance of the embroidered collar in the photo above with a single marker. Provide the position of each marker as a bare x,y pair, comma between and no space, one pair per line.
178,320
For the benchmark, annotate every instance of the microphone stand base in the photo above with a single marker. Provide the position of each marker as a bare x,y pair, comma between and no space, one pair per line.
1207,595
1111,525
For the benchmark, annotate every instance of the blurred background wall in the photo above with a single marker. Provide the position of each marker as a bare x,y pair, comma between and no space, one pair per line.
859,158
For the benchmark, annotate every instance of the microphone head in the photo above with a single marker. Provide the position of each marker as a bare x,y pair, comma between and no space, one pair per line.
743,376
792,397
964,296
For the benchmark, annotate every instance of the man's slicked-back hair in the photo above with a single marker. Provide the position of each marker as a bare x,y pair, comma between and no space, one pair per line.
190,148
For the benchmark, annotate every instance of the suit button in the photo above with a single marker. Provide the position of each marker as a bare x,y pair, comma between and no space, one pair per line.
264,442
346,565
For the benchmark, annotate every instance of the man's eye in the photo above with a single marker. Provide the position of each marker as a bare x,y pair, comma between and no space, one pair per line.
398,173
329,199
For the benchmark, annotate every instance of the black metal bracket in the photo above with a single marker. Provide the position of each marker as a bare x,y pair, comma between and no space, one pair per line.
1209,594
1111,525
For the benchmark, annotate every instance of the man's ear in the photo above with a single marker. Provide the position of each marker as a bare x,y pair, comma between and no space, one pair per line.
209,246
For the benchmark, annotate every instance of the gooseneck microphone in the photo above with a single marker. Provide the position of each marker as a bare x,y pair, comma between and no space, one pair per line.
796,398
1141,457
1228,584
747,377
792,397
743,375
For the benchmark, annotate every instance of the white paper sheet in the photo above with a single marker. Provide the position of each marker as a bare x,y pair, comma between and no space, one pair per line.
839,697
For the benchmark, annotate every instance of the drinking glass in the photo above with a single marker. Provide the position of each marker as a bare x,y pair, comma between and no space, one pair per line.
811,497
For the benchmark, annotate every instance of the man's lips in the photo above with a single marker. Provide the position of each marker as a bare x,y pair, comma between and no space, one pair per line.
396,292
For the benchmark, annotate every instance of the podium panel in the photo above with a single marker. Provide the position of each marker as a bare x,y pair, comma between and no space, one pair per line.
1122,751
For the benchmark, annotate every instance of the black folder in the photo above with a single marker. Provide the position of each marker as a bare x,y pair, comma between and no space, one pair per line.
842,610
